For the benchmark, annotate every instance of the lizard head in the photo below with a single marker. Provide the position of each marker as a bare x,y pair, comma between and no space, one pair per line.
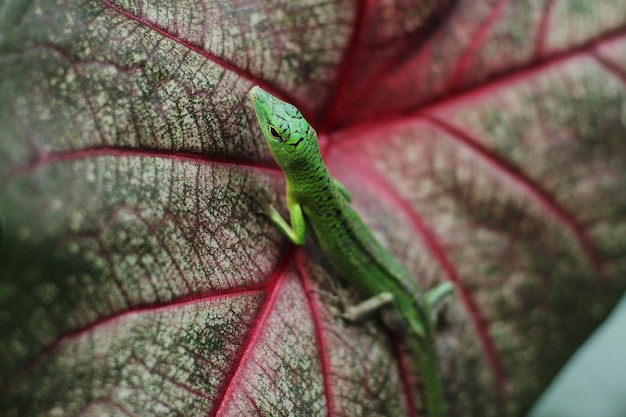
290,137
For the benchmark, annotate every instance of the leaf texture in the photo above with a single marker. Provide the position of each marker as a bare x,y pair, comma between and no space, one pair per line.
483,143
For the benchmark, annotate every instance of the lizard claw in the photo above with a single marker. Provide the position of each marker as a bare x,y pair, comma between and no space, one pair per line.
265,205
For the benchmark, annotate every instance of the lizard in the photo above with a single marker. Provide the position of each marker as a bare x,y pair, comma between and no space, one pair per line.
319,202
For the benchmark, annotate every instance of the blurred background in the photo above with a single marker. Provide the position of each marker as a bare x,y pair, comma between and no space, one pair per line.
593,383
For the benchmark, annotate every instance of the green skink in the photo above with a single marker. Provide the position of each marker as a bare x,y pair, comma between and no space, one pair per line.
317,201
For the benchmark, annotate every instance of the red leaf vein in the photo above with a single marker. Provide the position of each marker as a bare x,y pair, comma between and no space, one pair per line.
320,340
529,188
41,159
477,41
347,66
208,55
274,285
542,32
611,67
139,309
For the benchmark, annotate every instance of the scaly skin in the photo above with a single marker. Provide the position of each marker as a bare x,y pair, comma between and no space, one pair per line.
361,261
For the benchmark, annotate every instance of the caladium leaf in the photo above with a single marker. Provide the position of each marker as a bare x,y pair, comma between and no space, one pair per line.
483,143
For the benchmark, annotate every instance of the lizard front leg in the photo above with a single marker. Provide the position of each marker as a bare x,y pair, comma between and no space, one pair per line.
296,232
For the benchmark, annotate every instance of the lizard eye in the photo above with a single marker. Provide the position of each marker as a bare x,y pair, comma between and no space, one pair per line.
274,133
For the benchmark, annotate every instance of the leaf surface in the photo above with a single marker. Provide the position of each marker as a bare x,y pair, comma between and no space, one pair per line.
483,143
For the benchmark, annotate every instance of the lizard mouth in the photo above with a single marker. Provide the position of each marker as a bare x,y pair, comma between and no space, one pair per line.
259,99
253,93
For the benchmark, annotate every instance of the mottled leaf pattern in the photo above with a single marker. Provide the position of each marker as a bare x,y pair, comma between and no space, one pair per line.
483,142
